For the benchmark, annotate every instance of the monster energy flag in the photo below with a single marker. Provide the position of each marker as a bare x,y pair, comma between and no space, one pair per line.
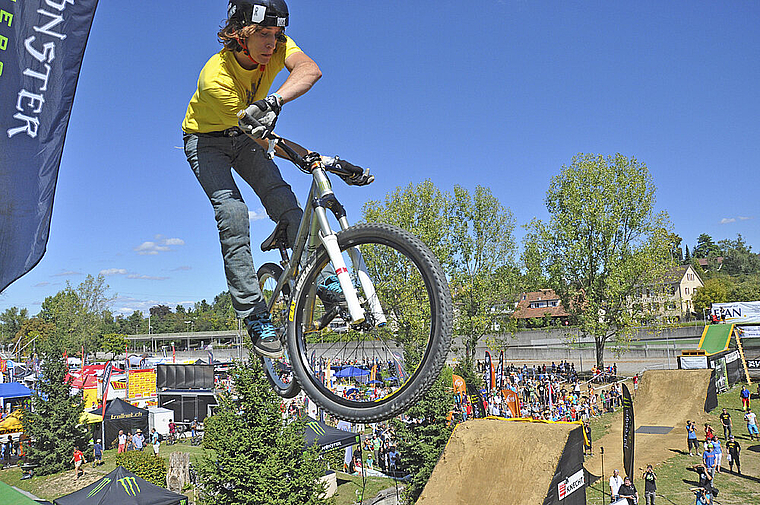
628,432
123,488
41,47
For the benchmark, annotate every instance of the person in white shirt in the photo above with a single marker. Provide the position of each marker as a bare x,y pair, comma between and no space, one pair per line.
615,482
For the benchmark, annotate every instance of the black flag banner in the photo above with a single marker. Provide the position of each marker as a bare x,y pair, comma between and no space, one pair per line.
628,432
41,48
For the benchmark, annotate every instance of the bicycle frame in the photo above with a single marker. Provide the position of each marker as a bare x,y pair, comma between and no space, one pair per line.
313,230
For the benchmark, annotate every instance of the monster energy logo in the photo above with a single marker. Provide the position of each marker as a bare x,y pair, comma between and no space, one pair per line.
99,487
316,427
129,484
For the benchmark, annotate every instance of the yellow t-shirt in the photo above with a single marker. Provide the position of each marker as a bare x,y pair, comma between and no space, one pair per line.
224,88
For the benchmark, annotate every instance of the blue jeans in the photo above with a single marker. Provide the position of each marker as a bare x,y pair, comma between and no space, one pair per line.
212,159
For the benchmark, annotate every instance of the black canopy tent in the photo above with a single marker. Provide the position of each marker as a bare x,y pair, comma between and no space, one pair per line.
121,415
327,437
123,488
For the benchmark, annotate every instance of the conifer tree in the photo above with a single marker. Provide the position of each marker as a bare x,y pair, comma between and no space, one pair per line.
251,456
53,426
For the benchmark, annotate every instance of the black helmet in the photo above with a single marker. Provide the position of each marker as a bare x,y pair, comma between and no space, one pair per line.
259,12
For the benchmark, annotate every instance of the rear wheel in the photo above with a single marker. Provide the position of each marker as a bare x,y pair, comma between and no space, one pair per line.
376,369
278,371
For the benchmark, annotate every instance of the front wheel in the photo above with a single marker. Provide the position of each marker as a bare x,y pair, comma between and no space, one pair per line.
278,371
376,369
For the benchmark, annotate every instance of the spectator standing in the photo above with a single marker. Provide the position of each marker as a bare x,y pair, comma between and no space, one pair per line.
725,421
138,440
734,449
628,491
691,437
709,458
615,482
97,454
718,454
155,441
650,485
744,395
751,419
122,442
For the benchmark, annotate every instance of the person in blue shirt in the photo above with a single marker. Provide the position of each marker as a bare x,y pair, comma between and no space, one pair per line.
709,458
97,454
691,437
718,454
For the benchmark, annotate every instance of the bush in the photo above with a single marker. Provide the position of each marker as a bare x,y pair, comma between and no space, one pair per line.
145,465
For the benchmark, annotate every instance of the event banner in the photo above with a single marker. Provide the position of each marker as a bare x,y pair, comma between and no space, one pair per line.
737,312
41,48
628,432
489,372
106,379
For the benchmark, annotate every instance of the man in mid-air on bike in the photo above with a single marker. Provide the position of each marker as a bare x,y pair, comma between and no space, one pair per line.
238,78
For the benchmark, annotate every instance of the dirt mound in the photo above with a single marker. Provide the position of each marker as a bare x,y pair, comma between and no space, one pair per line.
665,398
522,457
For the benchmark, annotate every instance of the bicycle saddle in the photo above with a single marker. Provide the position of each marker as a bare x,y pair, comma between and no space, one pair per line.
278,239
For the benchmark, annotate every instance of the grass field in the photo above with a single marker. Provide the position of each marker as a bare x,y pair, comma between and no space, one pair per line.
54,486
675,476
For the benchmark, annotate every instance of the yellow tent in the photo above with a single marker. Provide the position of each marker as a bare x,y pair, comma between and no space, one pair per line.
88,418
12,423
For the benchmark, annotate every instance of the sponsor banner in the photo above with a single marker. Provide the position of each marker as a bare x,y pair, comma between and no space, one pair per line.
749,331
459,385
571,484
489,372
693,362
142,383
628,432
106,379
737,312
41,48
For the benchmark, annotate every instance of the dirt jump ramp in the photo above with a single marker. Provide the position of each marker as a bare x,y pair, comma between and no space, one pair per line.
496,461
665,399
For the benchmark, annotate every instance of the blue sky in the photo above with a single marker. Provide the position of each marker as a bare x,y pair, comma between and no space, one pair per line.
492,93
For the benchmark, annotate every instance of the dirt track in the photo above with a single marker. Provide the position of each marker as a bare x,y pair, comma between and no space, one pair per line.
521,456
664,398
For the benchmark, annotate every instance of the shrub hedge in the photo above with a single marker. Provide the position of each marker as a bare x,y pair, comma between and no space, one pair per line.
144,464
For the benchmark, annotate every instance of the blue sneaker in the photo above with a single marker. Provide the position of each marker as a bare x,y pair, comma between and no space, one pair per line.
330,292
263,335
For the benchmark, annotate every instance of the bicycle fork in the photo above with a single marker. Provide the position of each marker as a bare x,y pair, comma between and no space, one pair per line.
329,239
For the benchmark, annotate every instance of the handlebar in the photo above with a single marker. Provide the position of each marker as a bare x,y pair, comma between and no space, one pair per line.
305,163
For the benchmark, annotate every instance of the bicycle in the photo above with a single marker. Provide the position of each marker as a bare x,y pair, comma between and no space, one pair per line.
393,304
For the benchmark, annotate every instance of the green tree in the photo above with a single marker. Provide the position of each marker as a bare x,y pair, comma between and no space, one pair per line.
79,314
35,331
738,258
603,242
705,247
114,343
485,279
715,290
11,321
421,444
250,457
53,424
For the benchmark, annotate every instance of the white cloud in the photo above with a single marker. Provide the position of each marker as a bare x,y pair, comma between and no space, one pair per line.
113,271
146,277
159,245
257,215
728,220
67,273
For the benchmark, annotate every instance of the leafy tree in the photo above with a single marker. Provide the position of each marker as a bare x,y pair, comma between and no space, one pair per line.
705,247
11,321
714,290
53,425
421,443
250,457
114,343
533,277
471,235
79,314
35,330
738,258
484,278
603,242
